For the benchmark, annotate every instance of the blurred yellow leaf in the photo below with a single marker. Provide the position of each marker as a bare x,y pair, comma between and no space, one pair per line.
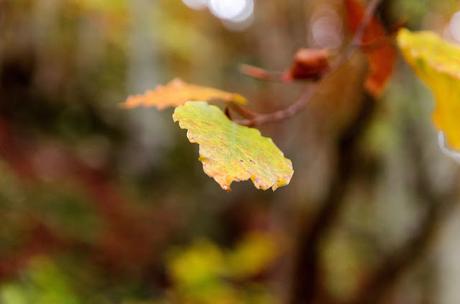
437,63
200,264
254,254
176,93
342,272
206,274
230,152
198,274
13,294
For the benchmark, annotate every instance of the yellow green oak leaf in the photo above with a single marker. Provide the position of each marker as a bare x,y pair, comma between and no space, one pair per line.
437,63
231,152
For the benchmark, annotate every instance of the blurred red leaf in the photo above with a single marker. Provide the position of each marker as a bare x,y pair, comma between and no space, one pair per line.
309,64
381,57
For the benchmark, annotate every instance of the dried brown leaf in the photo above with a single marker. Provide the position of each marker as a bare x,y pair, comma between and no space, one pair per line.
309,64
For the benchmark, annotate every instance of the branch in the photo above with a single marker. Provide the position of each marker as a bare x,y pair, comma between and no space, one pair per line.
368,15
293,109
311,89
438,207
261,74
306,277
392,268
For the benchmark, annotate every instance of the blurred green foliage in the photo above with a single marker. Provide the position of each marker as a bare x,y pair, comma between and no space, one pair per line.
42,283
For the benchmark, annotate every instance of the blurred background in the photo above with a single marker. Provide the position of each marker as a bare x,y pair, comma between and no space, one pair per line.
103,205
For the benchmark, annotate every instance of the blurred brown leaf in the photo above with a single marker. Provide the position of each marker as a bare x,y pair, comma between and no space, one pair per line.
309,64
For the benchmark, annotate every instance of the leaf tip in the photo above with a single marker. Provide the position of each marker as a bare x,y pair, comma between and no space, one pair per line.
239,99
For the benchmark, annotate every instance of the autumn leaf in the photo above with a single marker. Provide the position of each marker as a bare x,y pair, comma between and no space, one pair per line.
437,63
309,64
382,57
176,93
230,152
200,263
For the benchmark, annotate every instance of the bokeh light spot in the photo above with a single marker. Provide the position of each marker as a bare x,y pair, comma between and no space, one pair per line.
326,28
454,26
196,4
231,10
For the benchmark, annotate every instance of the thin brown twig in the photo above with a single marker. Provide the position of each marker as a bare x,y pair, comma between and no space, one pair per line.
381,41
244,112
311,89
358,37
260,73
291,110
376,43
368,15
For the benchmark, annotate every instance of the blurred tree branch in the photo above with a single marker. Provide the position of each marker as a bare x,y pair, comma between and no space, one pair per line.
438,207
306,279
